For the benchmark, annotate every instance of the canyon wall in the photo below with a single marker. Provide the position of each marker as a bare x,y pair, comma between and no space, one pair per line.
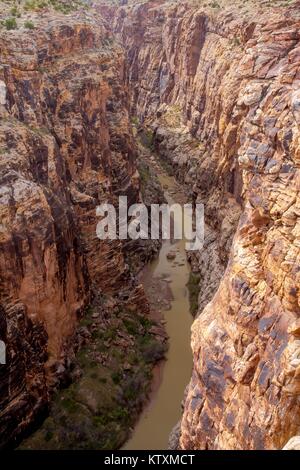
219,88
218,91
65,146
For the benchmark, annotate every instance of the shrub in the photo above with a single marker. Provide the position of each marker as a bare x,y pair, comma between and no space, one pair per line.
145,322
116,377
10,23
14,12
214,4
147,138
35,5
29,25
135,121
194,289
131,327
145,174
152,350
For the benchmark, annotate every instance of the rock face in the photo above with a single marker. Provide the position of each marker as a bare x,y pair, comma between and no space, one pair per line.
220,90
293,444
65,146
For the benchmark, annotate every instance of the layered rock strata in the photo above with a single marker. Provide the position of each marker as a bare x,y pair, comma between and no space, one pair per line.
66,145
219,91
229,79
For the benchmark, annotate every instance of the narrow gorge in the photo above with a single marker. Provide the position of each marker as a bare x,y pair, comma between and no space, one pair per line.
192,101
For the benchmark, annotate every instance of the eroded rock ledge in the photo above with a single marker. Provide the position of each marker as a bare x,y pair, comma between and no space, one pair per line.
220,90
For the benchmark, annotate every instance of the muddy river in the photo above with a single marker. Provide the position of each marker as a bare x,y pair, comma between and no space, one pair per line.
164,410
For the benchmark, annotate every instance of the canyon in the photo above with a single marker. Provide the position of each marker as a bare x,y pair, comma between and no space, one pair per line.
213,90
66,146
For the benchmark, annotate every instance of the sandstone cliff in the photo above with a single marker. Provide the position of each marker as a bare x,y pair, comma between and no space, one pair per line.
65,146
220,90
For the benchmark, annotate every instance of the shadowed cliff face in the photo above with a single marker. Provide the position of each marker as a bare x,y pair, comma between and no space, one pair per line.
220,92
65,146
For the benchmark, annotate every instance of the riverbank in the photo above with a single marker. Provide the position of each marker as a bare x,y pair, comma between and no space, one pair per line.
111,379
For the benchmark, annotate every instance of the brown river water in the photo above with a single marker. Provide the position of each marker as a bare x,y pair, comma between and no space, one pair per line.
164,409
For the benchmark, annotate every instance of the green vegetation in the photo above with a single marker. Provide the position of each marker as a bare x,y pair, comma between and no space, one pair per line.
214,4
15,12
97,410
29,25
3,150
147,138
235,42
33,5
135,121
194,289
167,166
10,23
151,349
20,9
145,174
67,7
150,187
63,6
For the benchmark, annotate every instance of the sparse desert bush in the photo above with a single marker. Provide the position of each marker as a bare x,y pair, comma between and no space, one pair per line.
214,4
194,289
29,25
15,12
31,5
10,23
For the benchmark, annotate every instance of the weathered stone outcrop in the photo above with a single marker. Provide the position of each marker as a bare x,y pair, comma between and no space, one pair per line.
231,79
65,146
